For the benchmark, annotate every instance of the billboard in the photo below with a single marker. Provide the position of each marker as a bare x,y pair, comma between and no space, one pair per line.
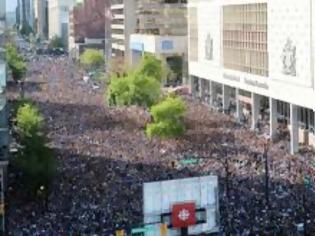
159,198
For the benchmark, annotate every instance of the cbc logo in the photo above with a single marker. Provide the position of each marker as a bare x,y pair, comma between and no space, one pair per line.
183,215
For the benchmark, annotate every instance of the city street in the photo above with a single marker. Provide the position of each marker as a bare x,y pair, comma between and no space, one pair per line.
104,157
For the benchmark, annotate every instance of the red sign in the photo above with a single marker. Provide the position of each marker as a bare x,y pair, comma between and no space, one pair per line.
183,215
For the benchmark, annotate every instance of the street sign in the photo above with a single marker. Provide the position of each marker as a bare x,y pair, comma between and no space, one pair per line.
120,233
183,215
189,161
146,228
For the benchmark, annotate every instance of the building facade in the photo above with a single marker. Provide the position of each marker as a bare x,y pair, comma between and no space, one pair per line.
256,58
41,18
123,24
4,130
58,19
161,29
2,14
87,21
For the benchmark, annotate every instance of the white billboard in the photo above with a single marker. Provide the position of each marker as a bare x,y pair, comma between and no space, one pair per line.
159,197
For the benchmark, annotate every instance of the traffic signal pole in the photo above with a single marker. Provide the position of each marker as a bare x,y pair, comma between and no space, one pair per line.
184,231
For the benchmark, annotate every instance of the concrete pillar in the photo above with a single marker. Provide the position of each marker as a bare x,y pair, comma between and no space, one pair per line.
192,86
239,108
226,97
294,132
200,87
202,90
273,117
212,93
255,109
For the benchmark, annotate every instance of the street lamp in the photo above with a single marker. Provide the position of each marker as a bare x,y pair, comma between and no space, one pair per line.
266,149
227,171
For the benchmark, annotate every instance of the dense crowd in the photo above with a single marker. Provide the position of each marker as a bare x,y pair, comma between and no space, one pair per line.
104,157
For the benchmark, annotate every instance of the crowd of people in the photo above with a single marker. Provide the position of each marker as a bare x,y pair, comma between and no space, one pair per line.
104,158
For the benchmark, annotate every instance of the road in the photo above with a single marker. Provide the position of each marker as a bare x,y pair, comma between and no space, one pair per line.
104,157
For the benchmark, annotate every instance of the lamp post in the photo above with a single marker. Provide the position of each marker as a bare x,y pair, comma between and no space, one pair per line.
266,149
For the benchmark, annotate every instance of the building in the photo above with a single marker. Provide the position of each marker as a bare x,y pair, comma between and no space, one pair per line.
161,29
58,19
122,26
87,20
256,58
4,130
2,14
41,18
10,19
25,15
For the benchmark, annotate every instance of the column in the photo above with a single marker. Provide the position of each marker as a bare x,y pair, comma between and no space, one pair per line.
202,90
212,93
273,117
192,85
294,132
239,109
226,98
255,109
200,87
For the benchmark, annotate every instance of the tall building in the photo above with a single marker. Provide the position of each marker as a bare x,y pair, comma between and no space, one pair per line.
87,21
2,14
256,58
161,29
41,18
122,26
58,20
25,14
4,130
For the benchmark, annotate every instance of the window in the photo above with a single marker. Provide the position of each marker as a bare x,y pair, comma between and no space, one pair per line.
245,38
193,34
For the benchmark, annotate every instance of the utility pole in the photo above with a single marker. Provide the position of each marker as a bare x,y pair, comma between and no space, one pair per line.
184,231
266,173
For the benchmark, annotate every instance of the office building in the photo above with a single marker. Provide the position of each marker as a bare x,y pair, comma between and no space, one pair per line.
87,26
256,58
58,19
41,18
161,29
122,26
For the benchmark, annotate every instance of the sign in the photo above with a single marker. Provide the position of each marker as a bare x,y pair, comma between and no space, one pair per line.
163,230
120,233
183,215
167,45
146,228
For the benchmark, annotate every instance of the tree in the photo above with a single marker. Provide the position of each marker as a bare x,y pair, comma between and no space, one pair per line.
151,66
56,42
29,121
15,62
167,118
133,89
35,160
92,59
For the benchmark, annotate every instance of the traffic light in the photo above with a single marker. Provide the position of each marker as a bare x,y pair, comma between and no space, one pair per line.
163,230
120,233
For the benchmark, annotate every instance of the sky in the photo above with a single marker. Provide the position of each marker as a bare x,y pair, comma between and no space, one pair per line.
11,5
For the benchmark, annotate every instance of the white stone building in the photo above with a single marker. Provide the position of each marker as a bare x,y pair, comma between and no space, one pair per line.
58,18
256,57
122,26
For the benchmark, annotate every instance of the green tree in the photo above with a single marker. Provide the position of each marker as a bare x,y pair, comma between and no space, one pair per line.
56,42
92,59
167,118
151,66
15,62
134,89
35,159
29,121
